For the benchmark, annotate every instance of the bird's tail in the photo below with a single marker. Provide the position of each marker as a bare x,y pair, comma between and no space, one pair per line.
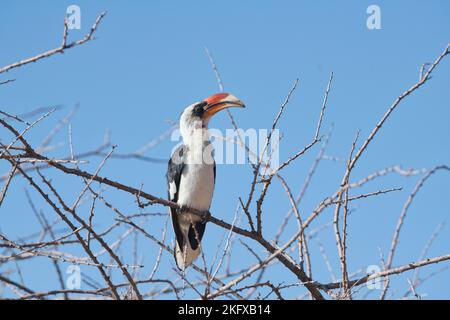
185,255
186,252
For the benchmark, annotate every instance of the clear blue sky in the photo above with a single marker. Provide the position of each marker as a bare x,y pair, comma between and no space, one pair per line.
148,63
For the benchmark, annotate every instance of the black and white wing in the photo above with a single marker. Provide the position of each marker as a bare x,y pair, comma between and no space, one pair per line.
174,171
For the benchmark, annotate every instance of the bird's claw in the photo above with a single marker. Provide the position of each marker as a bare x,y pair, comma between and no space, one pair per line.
205,214
184,209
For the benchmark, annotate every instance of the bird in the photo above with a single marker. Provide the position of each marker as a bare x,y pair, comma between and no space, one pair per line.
191,175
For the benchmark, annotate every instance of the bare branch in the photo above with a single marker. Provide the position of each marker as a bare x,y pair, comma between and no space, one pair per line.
59,49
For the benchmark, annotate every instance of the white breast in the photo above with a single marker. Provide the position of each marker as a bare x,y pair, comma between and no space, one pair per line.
196,186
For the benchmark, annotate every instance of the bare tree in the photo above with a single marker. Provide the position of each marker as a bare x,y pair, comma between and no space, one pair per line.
69,221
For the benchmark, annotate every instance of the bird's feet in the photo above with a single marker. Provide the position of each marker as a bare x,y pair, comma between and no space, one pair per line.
203,214
206,214
184,209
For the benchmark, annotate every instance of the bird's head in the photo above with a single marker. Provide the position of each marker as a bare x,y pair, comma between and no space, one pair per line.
197,115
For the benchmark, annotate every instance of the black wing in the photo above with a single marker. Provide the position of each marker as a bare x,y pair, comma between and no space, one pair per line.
174,170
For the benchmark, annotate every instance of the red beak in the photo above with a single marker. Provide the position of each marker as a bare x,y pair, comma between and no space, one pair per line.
220,101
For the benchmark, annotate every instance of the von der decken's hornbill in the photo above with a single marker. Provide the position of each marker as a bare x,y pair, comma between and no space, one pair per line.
191,175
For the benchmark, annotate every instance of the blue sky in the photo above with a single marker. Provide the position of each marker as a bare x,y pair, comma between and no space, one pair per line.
148,62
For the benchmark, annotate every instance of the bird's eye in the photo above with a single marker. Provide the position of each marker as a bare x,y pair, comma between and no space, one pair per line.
199,109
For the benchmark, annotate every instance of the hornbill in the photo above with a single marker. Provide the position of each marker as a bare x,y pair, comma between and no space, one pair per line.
191,175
